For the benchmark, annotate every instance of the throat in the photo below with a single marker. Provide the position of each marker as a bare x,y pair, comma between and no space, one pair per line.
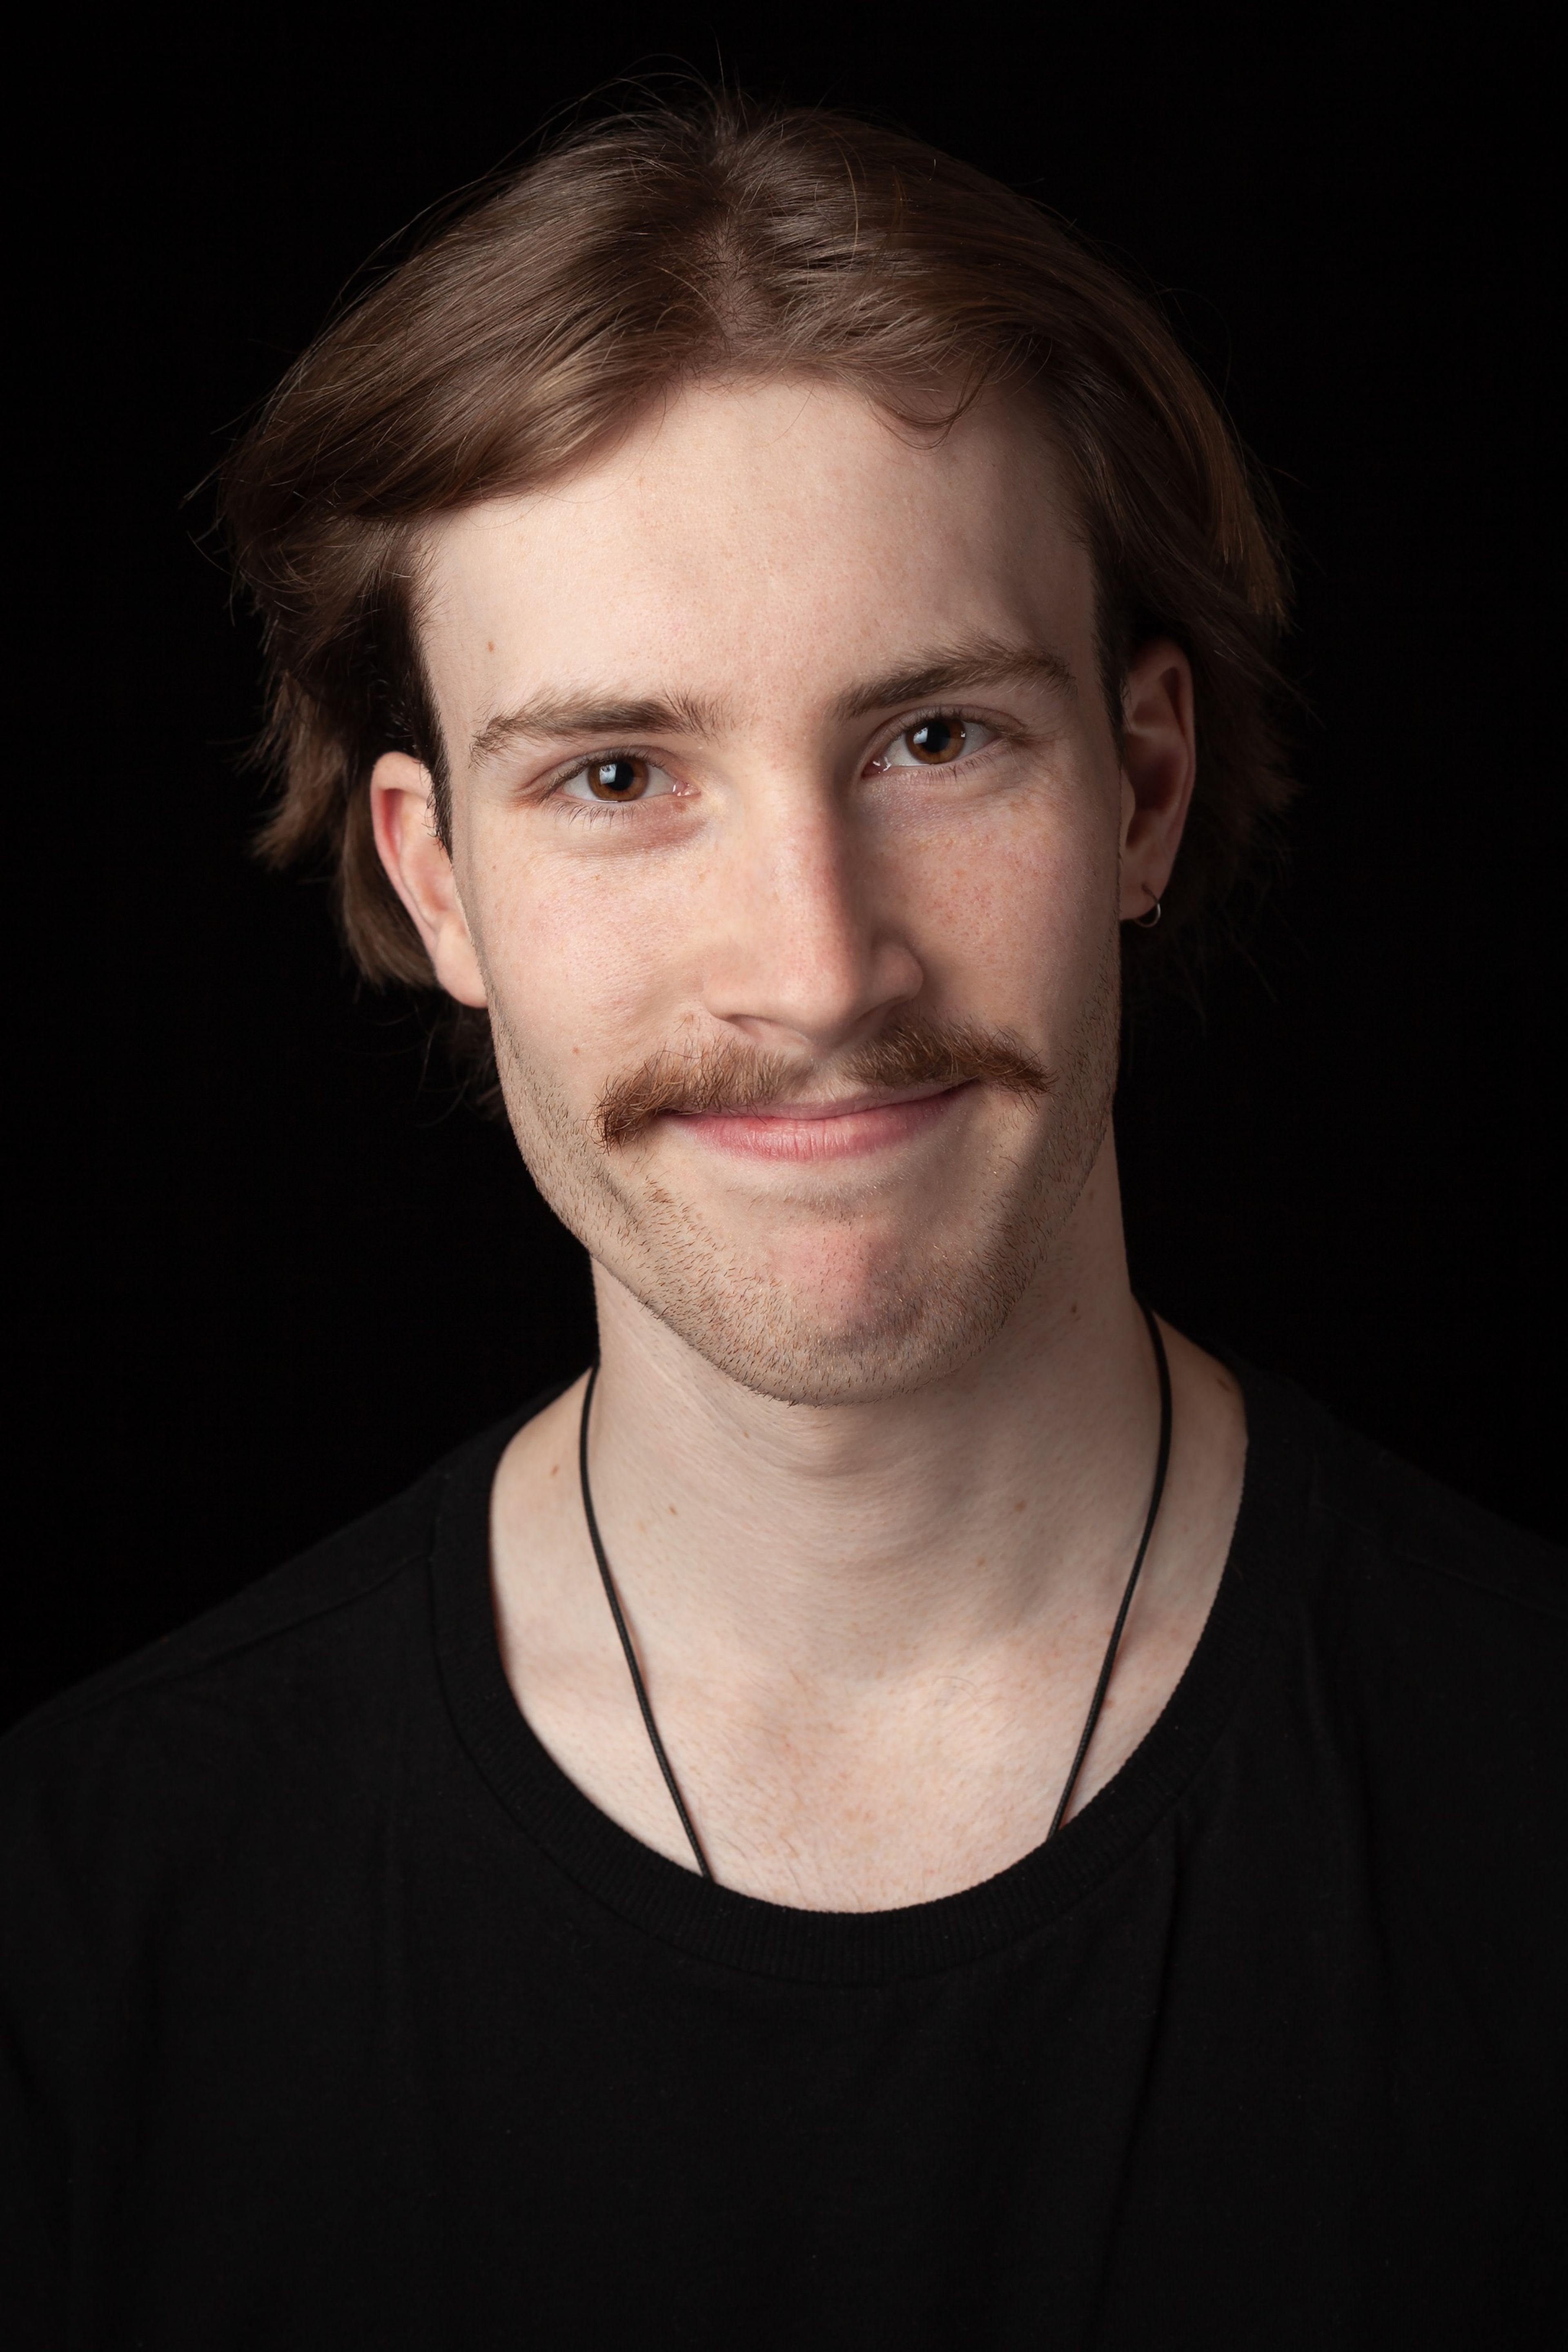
864,1730
1102,1680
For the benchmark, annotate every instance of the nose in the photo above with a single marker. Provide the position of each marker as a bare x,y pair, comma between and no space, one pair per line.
806,951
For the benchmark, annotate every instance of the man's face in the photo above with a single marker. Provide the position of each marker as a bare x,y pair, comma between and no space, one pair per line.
787,828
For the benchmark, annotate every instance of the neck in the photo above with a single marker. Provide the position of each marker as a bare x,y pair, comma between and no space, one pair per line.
848,1542
869,1633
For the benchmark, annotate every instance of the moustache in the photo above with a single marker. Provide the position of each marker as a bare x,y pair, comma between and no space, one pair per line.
729,1076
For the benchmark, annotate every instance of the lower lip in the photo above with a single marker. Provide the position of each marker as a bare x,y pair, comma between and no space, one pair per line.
849,1136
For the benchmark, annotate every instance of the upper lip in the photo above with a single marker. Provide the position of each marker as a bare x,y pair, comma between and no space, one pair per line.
838,1107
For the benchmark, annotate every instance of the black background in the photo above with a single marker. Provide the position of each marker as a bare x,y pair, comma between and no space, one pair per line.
272,1266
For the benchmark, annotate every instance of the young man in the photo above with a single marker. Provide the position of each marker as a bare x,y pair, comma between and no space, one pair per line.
916,1807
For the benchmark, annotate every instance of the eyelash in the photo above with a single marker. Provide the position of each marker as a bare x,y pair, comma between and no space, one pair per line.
596,812
995,727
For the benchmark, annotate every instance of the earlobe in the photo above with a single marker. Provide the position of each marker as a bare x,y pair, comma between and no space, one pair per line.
1159,767
420,872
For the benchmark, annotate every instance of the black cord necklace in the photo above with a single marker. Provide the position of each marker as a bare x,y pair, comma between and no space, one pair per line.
1162,1463
613,1598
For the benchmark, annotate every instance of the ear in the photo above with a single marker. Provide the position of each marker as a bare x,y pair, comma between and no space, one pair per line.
421,871
1158,764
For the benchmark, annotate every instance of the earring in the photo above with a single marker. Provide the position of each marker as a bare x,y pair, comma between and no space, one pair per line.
1146,922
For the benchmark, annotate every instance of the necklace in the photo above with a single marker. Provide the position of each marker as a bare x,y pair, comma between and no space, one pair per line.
1162,1463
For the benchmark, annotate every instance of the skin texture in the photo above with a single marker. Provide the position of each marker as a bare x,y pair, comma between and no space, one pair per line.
877,1418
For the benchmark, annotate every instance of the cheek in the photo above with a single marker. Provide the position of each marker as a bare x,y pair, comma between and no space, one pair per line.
575,962
1017,906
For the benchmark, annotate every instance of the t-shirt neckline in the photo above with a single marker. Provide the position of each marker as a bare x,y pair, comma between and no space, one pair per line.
716,1923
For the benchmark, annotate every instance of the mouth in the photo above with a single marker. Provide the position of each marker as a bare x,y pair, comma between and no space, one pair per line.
843,1129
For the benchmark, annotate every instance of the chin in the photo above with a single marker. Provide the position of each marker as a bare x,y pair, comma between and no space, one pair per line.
803,1347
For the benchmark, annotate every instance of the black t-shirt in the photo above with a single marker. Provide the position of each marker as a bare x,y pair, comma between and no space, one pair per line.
336,2016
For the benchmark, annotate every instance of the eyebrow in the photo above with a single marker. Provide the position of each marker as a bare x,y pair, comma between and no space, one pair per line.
994,661
972,661
551,716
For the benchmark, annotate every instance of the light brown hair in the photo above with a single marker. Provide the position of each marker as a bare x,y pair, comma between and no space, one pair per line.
723,240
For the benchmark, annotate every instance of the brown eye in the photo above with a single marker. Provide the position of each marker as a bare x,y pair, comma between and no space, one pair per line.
936,742
617,780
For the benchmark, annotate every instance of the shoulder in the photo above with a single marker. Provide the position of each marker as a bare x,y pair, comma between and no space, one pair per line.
290,1681
1379,1517
252,1633
1386,1514
1406,1738
1433,1635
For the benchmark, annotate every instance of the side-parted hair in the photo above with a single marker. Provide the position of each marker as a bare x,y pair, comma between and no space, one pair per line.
721,241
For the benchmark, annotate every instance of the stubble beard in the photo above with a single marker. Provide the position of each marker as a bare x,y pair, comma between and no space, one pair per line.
928,1308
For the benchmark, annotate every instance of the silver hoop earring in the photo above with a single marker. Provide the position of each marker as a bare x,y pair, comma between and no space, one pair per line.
1147,922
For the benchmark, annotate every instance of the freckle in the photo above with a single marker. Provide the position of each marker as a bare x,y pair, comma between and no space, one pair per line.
1019,1506
490,646
980,1562
555,1466
673,1512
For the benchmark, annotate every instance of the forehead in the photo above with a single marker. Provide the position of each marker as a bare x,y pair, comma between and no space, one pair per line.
761,540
